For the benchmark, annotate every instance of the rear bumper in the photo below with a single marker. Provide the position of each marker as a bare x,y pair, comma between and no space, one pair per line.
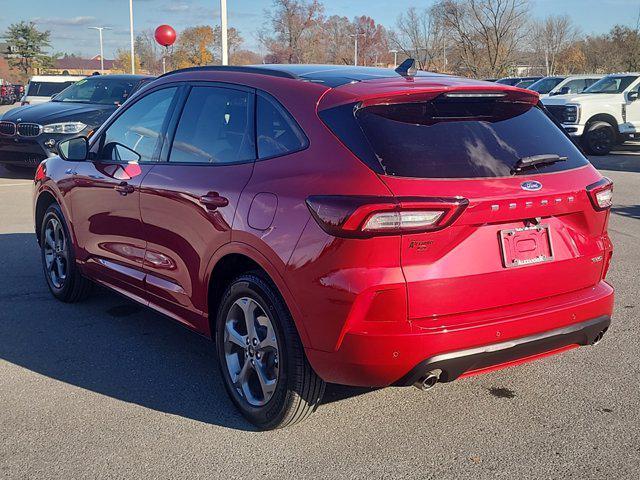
489,357
381,357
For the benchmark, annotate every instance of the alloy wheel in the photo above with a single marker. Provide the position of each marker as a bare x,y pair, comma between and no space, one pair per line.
251,351
56,256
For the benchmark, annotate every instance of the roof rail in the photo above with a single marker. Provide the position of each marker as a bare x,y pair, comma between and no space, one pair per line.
233,68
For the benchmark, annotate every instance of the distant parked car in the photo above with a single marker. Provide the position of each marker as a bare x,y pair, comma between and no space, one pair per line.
29,134
605,114
527,82
513,81
42,88
563,85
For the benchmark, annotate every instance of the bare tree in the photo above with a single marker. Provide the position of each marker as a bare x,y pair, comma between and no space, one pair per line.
417,36
337,41
487,33
373,46
287,35
550,37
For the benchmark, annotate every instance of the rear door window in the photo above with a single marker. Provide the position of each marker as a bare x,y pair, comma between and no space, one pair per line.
454,139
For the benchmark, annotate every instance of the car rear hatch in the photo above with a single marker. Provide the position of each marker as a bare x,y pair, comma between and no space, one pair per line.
519,222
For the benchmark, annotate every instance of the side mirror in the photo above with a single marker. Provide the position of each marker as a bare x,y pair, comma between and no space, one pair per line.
74,149
563,91
632,96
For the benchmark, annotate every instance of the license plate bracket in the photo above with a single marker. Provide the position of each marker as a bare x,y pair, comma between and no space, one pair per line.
525,246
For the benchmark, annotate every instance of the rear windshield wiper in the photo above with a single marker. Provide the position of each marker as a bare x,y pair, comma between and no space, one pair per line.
526,163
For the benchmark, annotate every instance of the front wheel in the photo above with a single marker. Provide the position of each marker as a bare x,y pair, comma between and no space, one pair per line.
64,280
599,138
261,358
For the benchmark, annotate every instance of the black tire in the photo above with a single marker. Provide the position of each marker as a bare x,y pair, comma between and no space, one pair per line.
74,287
599,138
298,390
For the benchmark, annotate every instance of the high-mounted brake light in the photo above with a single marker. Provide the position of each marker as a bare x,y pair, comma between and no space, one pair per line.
601,194
366,216
475,95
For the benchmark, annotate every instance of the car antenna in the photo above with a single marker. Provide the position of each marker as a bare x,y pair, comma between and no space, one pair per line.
407,68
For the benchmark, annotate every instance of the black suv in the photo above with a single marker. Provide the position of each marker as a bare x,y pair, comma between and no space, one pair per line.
29,134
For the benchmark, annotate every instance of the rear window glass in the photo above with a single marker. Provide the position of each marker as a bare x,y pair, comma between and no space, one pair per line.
46,89
457,139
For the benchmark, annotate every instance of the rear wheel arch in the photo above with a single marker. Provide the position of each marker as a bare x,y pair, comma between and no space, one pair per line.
237,260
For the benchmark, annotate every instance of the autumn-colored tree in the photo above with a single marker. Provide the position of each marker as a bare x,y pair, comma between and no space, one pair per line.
123,61
194,47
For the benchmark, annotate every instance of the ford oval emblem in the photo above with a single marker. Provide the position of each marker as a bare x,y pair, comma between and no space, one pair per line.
531,185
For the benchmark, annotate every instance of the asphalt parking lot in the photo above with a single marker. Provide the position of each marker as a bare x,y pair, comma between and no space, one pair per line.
107,389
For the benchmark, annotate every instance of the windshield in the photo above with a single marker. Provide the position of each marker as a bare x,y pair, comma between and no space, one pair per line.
612,84
545,85
46,89
98,89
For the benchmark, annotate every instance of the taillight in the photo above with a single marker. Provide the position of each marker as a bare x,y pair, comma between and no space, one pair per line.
366,216
601,194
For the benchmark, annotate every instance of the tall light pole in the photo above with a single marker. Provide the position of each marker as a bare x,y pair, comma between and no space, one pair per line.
355,50
100,29
223,32
395,57
133,58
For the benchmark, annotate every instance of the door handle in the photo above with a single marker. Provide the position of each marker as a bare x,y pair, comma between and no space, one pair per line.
213,200
123,188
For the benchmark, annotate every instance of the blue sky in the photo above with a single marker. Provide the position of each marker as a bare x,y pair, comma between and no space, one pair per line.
68,19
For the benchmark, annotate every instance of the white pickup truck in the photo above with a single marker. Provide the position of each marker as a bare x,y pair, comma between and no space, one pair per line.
604,115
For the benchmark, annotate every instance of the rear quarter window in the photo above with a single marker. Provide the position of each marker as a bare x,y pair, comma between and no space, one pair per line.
276,131
452,139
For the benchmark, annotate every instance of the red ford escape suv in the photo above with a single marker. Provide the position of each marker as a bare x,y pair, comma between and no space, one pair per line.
359,226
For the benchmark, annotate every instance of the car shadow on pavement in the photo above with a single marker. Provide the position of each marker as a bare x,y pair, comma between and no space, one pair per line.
112,346
630,211
625,158
106,344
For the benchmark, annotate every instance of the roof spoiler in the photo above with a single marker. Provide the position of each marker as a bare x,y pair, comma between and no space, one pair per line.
407,68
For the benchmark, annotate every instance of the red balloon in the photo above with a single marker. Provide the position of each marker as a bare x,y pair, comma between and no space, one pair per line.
165,35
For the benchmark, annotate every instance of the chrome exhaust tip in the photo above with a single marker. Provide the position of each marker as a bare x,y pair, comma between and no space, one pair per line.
428,380
598,337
